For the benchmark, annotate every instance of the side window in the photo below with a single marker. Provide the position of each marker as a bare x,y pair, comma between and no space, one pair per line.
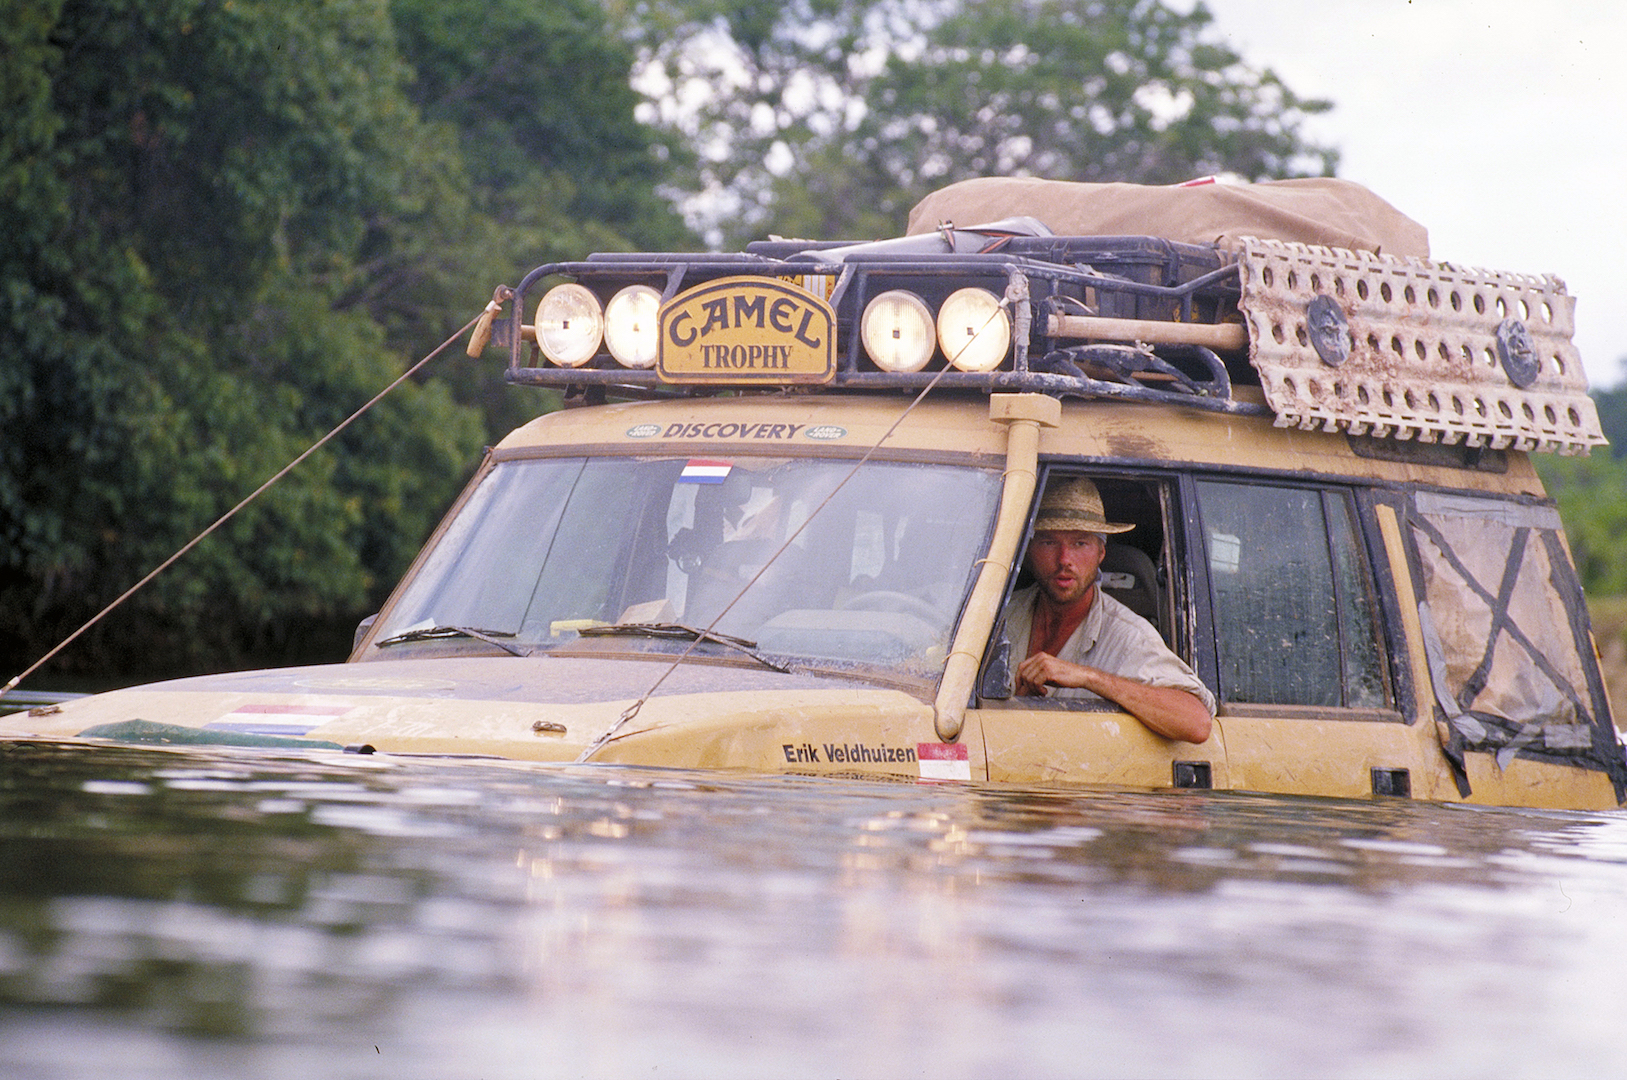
1134,569
1504,629
1295,616
1140,569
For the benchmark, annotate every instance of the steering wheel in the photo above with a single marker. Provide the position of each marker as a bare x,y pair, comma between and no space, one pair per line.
886,600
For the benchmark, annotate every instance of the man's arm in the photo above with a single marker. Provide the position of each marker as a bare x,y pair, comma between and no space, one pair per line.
1172,713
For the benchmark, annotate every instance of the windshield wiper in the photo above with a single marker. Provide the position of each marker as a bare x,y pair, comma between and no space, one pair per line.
490,637
679,631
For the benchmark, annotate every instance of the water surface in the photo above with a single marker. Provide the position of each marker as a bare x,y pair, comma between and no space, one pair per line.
195,914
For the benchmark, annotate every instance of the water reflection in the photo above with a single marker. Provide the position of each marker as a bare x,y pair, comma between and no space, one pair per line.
167,913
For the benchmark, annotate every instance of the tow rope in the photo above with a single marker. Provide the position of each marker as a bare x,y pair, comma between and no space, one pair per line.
486,315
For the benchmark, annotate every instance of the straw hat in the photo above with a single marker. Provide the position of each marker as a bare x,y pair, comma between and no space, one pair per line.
1074,505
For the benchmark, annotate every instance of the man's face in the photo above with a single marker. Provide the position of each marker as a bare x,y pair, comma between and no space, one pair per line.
1065,562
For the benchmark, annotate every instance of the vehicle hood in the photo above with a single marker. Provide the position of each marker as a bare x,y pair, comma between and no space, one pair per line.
503,706
541,679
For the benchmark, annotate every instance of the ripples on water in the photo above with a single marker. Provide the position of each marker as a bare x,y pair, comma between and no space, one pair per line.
184,914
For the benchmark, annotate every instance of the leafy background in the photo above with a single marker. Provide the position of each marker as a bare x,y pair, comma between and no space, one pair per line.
225,224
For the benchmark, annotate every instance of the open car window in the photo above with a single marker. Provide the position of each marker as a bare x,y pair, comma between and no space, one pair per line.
1135,570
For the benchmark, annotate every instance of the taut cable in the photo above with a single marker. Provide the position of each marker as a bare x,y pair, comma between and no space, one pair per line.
632,710
490,309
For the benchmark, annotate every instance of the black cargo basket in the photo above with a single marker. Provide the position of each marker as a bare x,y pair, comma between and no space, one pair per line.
1124,279
1146,260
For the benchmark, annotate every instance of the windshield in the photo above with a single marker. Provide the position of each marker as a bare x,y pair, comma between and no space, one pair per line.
876,575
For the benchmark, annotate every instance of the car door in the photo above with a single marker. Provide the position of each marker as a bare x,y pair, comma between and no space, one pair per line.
1050,740
1302,652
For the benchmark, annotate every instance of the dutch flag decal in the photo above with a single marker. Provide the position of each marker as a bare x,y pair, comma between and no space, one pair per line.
943,761
294,720
697,471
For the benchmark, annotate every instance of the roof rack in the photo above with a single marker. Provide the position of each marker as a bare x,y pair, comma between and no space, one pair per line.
1416,349
1336,340
1098,317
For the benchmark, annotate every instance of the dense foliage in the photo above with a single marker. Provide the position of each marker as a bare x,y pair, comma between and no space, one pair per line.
1592,496
224,224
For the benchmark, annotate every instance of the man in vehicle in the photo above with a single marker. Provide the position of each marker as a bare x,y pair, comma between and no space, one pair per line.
1075,642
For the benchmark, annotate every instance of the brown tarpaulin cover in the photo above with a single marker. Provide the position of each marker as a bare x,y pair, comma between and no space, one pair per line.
1321,210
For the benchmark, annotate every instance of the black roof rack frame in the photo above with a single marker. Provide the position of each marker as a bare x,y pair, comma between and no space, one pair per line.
1139,278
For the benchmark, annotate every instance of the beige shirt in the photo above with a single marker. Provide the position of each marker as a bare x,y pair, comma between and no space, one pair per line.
1112,638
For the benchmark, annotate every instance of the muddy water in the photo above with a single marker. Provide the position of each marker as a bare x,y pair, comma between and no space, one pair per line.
168,914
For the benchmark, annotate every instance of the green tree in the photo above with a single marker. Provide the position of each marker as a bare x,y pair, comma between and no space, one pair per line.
224,224
832,117
189,185
1612,406
543,90
534,99
1592,496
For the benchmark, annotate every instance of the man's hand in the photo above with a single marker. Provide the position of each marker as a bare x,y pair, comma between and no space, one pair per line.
1172,713
1041,670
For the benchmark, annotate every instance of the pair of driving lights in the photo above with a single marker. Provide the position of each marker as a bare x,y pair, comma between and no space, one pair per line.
570,324
972,329
898,329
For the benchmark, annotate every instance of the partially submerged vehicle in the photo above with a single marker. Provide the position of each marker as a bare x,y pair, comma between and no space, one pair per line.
777,523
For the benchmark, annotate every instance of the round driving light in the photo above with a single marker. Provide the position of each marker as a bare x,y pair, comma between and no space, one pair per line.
897,331
974,330
569,325
630,326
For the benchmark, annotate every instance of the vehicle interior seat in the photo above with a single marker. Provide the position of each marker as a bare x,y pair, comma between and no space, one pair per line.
1129,576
